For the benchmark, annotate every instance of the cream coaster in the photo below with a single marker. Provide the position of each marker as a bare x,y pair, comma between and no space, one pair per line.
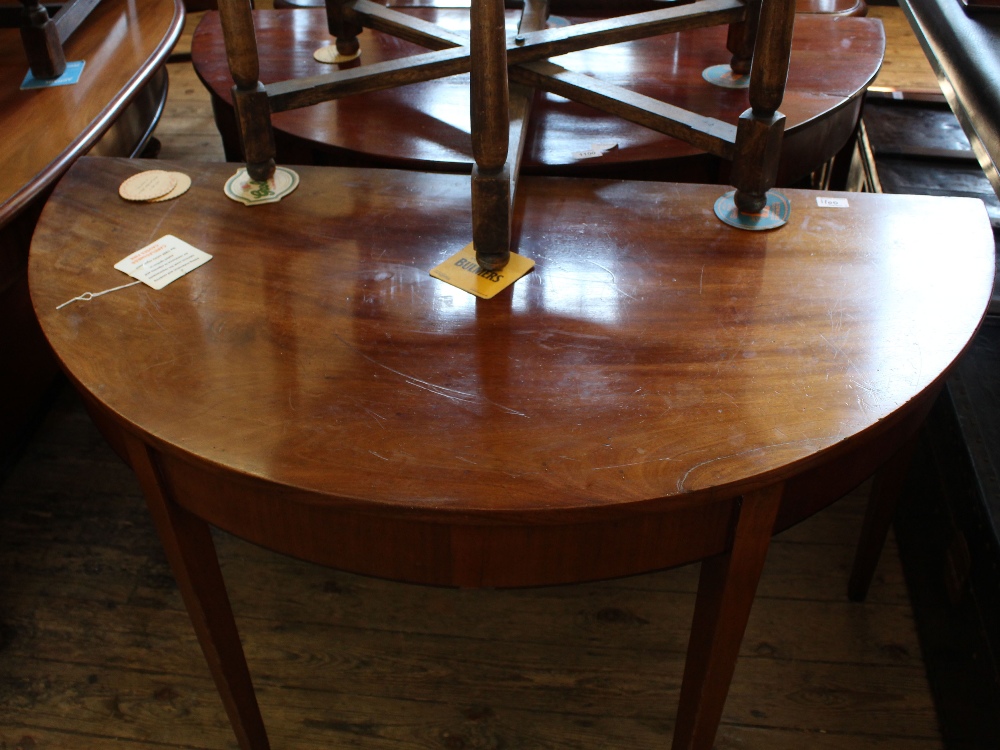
182,186
249,192
147,186
461,270
330,56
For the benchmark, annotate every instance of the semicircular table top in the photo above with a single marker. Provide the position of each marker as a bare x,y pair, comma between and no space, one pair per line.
426,125
653,357
122,45
661,388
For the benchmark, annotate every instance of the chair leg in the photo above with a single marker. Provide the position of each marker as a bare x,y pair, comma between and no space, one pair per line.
887,488
253,112
760,129
490,101
344,25
187,541
726,592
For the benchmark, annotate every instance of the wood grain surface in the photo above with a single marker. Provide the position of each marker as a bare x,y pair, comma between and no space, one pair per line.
427,124
655,361
122,43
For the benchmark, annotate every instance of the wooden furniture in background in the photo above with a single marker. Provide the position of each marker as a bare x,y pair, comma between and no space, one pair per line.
426,125
43,37
761,32
661,389
112,110
963,48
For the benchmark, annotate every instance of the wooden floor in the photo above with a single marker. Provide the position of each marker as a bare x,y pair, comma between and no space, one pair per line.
96,650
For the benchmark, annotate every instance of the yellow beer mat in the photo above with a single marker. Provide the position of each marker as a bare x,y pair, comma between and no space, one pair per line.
462,270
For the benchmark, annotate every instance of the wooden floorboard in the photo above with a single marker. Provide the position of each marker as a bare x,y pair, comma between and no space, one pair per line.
97,652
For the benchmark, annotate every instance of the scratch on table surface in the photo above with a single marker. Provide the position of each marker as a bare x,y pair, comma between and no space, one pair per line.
683,480
377,417
614,279
634,463
378,455
171,205
438,390
153,317
701,280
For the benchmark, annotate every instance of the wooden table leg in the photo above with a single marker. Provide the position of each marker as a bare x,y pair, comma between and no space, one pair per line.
489,109
187,541
887,489
726,592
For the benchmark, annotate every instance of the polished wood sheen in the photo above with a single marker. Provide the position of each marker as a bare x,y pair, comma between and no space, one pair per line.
427,124
124,44
661,389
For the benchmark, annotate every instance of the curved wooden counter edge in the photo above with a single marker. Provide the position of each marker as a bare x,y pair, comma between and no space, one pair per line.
91,34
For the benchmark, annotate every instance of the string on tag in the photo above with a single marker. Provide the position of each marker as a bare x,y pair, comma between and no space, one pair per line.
87,296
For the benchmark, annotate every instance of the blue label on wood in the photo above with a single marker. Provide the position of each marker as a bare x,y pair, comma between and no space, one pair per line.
773,215
723,75
70,76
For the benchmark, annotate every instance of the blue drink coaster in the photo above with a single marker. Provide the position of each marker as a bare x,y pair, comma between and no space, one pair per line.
70,76
773,215
722,75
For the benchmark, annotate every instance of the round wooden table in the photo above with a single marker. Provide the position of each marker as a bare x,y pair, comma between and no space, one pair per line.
426,125
661,389
111,110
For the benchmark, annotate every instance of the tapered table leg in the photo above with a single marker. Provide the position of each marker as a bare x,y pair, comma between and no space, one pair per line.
887,489
187,541
726,592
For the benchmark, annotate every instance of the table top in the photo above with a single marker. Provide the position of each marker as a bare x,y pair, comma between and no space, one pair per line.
964,51
123,44
833,60
654,359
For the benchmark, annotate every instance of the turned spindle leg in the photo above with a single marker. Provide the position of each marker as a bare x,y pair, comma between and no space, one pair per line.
344,25
740,39
253,113
41,41
760,128
490,135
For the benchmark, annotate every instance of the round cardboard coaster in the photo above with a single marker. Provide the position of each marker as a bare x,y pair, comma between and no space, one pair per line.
249,192
182,186
330,56
773,215
722,75
147,186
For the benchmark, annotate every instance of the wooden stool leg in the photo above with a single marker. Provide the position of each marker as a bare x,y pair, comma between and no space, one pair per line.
253,112
760,128
190,551
741,37
41,41
491,213
887,489
344,25
726,592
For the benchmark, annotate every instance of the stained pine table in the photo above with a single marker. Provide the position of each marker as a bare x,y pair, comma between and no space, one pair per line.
661,389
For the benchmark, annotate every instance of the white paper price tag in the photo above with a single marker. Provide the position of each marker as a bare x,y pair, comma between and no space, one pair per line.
163,261
827,202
